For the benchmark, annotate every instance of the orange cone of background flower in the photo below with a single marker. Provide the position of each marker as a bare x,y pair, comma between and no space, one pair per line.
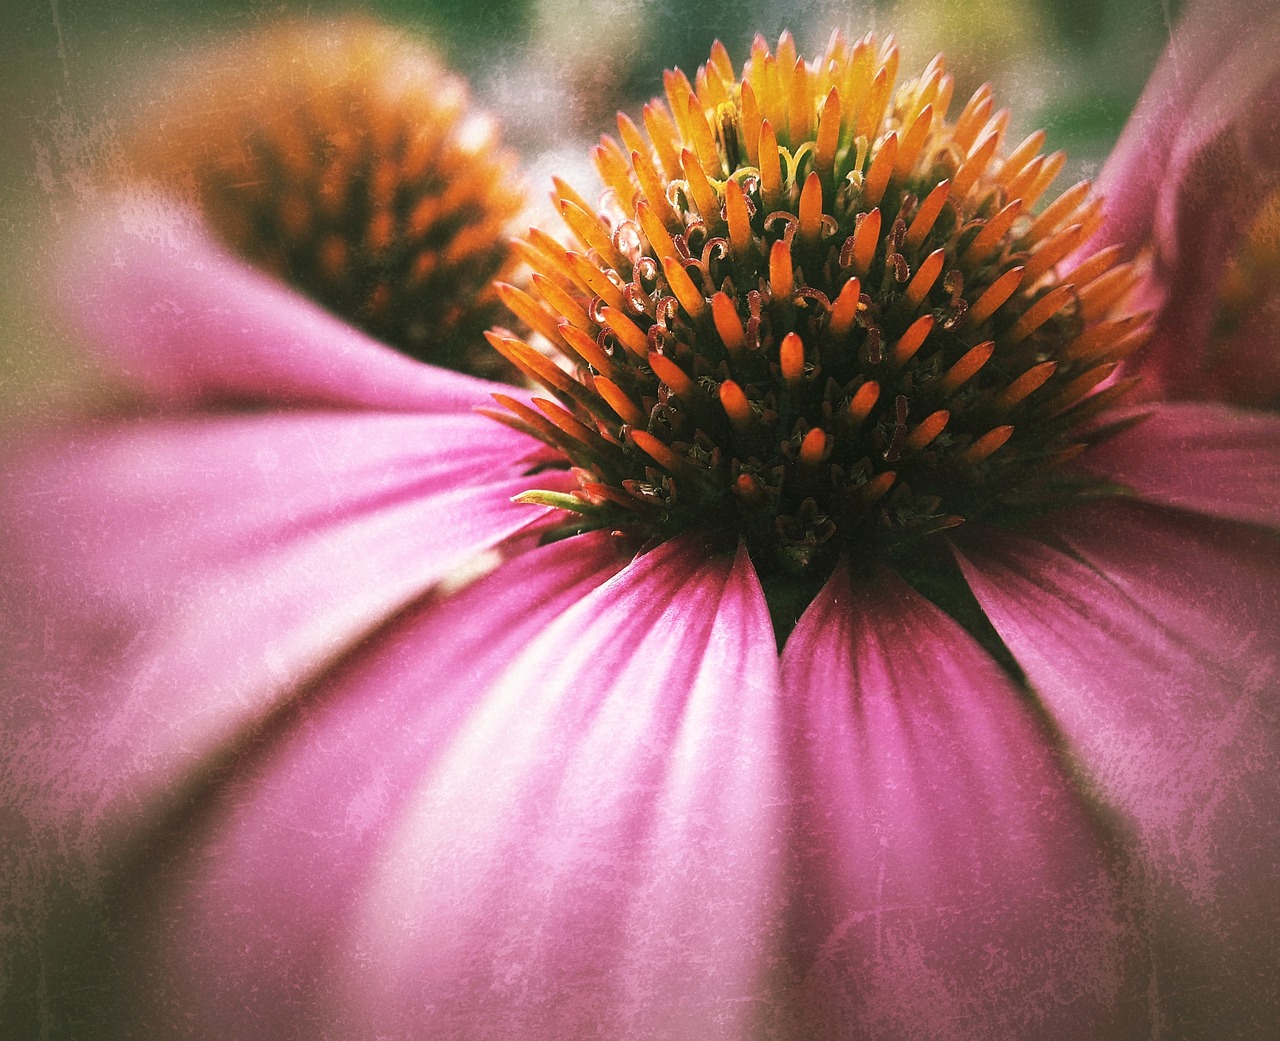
344,159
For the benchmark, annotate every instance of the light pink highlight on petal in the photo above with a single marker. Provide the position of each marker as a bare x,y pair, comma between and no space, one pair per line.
187,323
161,494
1199,156
271,878
1210,459
596,852
949,884
1154,642
496,821
191,601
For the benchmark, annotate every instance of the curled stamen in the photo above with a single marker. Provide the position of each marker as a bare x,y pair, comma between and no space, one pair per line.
715,249
816,295
637,299
646,271
789,220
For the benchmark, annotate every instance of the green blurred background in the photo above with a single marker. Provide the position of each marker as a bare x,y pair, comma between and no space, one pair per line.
551,71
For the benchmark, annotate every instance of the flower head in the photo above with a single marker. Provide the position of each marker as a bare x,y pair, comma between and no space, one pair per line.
299,778
1186,181
346,160
816,316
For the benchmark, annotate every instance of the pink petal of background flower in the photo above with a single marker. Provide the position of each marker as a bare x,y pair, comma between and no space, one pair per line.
1195,162
186,323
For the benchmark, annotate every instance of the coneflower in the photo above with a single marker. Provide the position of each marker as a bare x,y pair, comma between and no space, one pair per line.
298,772
346,160
817,315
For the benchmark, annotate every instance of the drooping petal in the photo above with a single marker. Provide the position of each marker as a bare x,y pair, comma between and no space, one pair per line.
163,492
1198,158
537,809
169,583
184,322
1152,639
950,883
1211,459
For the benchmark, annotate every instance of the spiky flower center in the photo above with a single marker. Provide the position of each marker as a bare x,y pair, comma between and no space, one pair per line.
345,159
1253,273
814,315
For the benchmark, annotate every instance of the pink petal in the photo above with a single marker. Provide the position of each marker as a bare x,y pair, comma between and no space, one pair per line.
1208,458
185,322
1197,159
535,810
172,582
1152,640
950,884
160,493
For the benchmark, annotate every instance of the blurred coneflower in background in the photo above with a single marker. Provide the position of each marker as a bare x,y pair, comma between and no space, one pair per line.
344,159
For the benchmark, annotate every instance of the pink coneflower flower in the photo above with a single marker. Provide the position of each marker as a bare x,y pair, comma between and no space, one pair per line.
342,158
1188,178
849,665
